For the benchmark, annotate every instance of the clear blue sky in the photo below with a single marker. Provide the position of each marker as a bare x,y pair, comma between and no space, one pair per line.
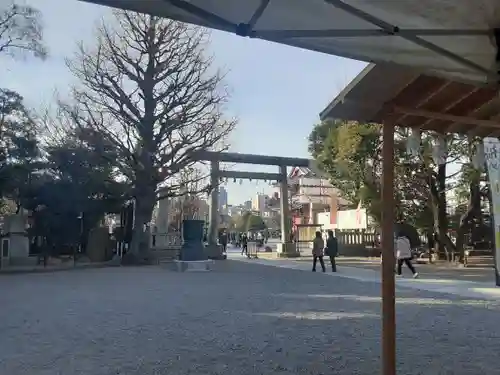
277,91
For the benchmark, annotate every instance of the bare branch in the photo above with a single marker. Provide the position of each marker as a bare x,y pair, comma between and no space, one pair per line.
21,31
149,89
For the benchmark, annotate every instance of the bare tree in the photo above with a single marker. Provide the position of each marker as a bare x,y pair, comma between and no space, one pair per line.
21,30
149,88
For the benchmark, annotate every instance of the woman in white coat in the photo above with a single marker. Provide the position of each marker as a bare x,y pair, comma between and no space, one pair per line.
402,248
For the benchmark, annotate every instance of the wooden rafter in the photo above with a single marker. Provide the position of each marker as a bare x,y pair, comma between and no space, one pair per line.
446,117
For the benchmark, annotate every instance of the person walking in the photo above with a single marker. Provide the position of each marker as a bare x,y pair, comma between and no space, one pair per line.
331,249
223,241
238,239
403,254
244,244
317,251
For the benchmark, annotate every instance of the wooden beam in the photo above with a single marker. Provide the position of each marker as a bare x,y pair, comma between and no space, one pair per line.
250,175
425,124
477,130
426,99
457,127
446,117
234,157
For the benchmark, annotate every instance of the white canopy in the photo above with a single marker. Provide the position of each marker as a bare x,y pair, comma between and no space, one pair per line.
455,38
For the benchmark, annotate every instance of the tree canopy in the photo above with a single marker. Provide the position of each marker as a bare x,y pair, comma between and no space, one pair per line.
350,154
249,222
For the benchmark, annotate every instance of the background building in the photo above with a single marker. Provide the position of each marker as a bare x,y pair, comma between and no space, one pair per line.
223,200
247,205
259,202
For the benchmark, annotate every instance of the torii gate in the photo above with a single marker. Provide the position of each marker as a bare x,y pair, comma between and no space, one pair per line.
286,248
465,48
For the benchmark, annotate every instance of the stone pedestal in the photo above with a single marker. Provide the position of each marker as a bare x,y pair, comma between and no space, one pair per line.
4,252
193,248
99,246
287,250
214,251
193,266
18,243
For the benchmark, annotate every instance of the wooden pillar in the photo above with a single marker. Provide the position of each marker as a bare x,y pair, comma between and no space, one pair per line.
388,258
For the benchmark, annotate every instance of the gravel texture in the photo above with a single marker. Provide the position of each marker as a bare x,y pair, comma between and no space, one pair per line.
238,319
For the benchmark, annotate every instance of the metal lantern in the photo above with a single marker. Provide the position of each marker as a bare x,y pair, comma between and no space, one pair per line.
478,158
439,150
413,143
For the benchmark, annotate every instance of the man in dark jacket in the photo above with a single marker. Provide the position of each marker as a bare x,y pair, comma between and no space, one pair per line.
223,240
244,244
331,249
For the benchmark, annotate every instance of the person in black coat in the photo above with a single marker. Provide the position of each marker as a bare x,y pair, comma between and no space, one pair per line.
332,249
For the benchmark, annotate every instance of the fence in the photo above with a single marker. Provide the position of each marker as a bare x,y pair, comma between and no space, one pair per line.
253,250
352,243
166,240
362,243
166,245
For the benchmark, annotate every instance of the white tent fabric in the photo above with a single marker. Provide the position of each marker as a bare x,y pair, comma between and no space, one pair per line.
452,38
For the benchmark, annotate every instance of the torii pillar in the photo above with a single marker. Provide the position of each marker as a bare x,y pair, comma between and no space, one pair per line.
214,249
287,248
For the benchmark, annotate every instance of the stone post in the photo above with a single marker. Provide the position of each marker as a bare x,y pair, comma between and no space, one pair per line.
285,249
162,221
18,250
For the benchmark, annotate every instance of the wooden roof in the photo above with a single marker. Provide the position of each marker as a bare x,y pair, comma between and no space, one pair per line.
383,93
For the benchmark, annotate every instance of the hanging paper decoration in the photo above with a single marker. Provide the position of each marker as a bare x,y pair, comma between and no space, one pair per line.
413,143
478,158
439,150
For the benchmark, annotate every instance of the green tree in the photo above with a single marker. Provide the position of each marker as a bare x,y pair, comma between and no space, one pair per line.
350,154
77,186
255,223
20,155
249,222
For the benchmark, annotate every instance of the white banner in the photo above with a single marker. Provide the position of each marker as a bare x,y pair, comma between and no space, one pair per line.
492,158
347,219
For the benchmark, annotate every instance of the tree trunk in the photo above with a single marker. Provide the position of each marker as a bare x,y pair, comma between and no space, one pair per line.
468,218
138,253
444,246
465,224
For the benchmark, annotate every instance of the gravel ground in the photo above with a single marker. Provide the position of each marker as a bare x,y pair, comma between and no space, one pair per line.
239,319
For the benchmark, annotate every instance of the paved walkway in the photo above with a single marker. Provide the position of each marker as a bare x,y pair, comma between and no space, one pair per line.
241,318
461,288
